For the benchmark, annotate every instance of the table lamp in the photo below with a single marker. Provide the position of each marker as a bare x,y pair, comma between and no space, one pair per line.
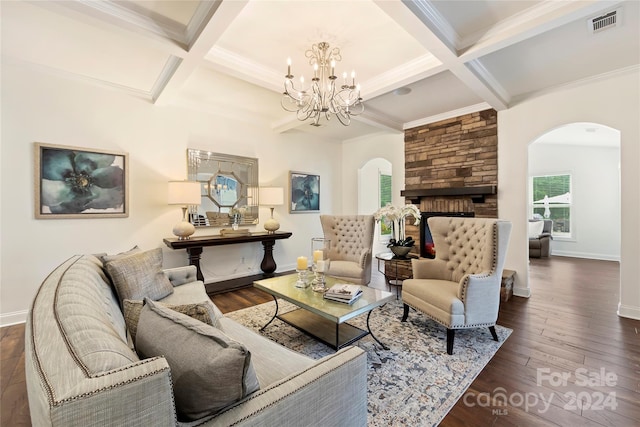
271,197
184,193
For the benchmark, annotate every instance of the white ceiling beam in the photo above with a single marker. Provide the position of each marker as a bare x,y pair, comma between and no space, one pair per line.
109,19
421,20
221,16
402,75
237,66
534,21
288,123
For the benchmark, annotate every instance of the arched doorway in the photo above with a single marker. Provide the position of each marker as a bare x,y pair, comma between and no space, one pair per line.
373,178
587,156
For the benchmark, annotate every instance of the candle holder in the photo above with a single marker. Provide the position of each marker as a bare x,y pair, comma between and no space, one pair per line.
319,268
302,281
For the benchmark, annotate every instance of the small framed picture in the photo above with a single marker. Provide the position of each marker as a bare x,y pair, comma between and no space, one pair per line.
304,194
73,182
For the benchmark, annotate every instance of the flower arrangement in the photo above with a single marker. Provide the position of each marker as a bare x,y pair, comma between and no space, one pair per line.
395,216
240,210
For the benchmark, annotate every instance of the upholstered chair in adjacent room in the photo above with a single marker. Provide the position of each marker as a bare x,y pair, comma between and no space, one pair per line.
351,238
540,238
460,288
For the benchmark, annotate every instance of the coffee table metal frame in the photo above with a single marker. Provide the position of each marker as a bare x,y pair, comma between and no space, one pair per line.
323,319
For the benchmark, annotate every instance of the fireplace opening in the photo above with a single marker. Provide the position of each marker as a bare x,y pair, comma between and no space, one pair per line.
427,248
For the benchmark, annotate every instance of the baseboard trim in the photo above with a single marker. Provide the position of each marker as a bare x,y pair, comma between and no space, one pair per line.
13,318
521,292
629,312
601,257
229,285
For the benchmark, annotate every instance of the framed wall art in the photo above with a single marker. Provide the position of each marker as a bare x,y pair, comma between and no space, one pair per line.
72,182
304,194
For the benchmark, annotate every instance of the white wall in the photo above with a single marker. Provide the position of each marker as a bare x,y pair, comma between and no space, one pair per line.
45,108
595,192
379,151
613,102
358,151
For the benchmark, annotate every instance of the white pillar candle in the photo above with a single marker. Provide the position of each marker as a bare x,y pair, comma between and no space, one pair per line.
317,255
320,265
302,263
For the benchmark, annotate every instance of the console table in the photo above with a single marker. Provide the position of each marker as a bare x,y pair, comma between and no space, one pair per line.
195,244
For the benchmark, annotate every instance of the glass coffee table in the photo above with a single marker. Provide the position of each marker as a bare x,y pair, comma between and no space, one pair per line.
323,319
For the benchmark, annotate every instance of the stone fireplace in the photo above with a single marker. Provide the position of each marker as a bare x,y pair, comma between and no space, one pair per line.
451,166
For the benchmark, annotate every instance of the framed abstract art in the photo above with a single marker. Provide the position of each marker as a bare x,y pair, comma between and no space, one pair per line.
72,182
304,193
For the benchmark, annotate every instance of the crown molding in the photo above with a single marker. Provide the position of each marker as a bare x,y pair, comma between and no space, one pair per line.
169,69
448,115
431,17
490,82
576,83
407,73
139,93
531,22
237,66
199,20
161,27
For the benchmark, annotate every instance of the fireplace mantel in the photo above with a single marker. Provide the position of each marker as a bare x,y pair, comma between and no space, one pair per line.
475,193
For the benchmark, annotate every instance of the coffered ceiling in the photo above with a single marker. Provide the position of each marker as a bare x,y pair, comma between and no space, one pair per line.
229,57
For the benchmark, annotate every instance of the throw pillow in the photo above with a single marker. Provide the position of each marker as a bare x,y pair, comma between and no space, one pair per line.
210,371
132,309
106,257
535,229
139,275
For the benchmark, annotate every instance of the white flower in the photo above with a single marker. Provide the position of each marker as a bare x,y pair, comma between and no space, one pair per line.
412,210
395,213
240,210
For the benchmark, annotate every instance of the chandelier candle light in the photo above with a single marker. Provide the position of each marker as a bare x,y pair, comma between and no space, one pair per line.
324,95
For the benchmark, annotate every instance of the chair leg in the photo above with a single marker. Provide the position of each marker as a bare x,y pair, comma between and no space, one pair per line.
451,333
405,314
492,329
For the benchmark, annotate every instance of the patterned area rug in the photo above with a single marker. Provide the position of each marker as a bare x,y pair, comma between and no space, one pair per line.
413,383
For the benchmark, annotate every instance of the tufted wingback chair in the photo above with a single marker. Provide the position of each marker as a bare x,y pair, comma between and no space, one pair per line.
351,239
460,288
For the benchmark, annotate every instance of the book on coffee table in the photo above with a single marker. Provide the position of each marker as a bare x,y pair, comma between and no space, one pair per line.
343,292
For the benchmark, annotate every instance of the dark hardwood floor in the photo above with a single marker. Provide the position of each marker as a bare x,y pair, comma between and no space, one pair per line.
568,327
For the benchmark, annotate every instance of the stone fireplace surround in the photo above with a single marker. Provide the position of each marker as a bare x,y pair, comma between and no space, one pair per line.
452,166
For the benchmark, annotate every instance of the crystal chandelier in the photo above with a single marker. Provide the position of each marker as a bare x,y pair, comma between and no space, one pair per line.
324,96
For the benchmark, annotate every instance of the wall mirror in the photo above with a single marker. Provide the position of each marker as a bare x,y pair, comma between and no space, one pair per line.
227,183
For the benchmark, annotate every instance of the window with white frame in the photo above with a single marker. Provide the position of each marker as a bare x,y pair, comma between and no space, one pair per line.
385,199
551,199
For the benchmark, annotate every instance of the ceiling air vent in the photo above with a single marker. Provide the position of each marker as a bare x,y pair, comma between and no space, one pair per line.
603,22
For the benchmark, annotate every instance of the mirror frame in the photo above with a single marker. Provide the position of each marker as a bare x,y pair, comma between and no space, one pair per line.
202,217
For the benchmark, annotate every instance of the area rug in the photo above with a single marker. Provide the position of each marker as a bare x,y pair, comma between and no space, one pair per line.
415,382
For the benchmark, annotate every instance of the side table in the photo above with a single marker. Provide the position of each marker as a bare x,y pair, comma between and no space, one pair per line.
392,275
195,244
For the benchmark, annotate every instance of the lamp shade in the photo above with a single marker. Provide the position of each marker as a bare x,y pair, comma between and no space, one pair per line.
183,193
271,196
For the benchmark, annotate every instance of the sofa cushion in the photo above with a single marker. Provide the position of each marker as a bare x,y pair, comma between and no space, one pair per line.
272,361
535,229
139,276
132,309
210,371
190,292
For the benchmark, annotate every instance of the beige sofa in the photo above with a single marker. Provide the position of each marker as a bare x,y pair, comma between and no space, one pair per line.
81,369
